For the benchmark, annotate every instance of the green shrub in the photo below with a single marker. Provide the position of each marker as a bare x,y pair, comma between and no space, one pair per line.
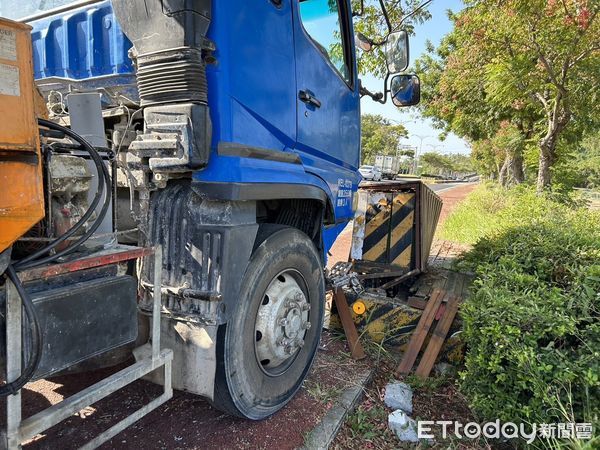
532,322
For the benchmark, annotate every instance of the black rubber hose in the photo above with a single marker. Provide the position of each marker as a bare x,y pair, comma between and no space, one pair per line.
103,182
36,338
32,260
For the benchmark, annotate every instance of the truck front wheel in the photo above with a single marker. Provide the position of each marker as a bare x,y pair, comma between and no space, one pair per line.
266,349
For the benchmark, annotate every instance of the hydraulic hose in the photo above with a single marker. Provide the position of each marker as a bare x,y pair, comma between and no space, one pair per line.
103,183
35,259
36,335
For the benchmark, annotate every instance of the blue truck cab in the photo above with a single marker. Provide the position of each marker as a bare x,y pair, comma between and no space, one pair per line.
234,127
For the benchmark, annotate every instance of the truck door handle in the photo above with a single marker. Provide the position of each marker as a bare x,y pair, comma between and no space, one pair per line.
307,97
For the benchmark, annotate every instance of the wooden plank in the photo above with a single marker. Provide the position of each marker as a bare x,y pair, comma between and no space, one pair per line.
417,302
440,312
440,281
420,333
372,267
424,288
466,290
399,280
458,287
371,276
356,348
438,337
450,284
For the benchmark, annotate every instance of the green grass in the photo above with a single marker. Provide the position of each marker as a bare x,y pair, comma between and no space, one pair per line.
491,210
323,393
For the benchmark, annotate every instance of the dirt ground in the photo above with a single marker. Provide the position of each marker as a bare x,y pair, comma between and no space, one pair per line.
433,399
443,253
188,422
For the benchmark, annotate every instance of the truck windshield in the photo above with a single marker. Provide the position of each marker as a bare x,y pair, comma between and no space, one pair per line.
19,9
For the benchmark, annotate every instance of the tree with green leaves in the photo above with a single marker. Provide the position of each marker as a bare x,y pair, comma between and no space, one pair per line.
547,52
454,95
372,23
433,163
580,166
379,137
533,63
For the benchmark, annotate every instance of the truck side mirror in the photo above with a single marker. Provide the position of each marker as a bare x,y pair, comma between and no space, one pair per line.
406,90
396,51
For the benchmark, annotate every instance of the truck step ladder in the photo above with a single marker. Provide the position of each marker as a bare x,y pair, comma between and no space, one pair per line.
19,430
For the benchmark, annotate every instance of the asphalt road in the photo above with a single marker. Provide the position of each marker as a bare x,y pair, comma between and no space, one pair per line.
443,186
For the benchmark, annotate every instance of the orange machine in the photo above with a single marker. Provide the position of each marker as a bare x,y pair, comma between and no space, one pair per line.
21,180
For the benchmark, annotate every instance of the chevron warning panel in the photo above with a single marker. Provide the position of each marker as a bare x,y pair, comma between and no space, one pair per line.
389,229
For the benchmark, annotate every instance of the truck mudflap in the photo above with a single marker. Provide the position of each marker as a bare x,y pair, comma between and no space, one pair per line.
194,357
206,248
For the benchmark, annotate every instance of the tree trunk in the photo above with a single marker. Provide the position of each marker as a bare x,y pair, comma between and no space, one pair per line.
558,118
518,170
512,172
547,154
503,173
548,148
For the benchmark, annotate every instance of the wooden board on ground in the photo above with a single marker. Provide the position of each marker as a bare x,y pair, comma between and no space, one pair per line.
453,282
420,333
417,302
356,348
438,337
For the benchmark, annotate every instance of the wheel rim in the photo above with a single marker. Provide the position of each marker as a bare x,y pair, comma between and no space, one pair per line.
282,322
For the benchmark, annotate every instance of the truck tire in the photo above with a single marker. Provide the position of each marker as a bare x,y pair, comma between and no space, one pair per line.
267,347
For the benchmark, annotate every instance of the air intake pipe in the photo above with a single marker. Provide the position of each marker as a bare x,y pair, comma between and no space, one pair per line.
168,37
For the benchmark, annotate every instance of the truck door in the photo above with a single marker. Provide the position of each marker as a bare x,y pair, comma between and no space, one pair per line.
328,118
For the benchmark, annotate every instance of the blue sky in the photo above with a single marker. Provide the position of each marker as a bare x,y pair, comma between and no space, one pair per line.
432,30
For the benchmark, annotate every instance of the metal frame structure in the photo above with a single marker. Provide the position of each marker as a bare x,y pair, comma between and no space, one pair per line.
428,207
19,430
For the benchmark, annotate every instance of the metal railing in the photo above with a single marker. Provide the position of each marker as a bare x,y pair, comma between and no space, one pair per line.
19,430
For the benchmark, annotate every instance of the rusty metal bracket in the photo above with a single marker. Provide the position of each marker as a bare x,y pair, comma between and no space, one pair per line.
341,274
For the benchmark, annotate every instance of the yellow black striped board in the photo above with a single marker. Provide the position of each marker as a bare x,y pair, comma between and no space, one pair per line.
389,229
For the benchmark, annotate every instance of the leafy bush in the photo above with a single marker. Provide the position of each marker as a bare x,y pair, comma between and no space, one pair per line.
532,322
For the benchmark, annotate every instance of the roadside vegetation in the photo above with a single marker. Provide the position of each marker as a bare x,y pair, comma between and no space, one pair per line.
490,210
381,136
532,321
455,164
519,80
